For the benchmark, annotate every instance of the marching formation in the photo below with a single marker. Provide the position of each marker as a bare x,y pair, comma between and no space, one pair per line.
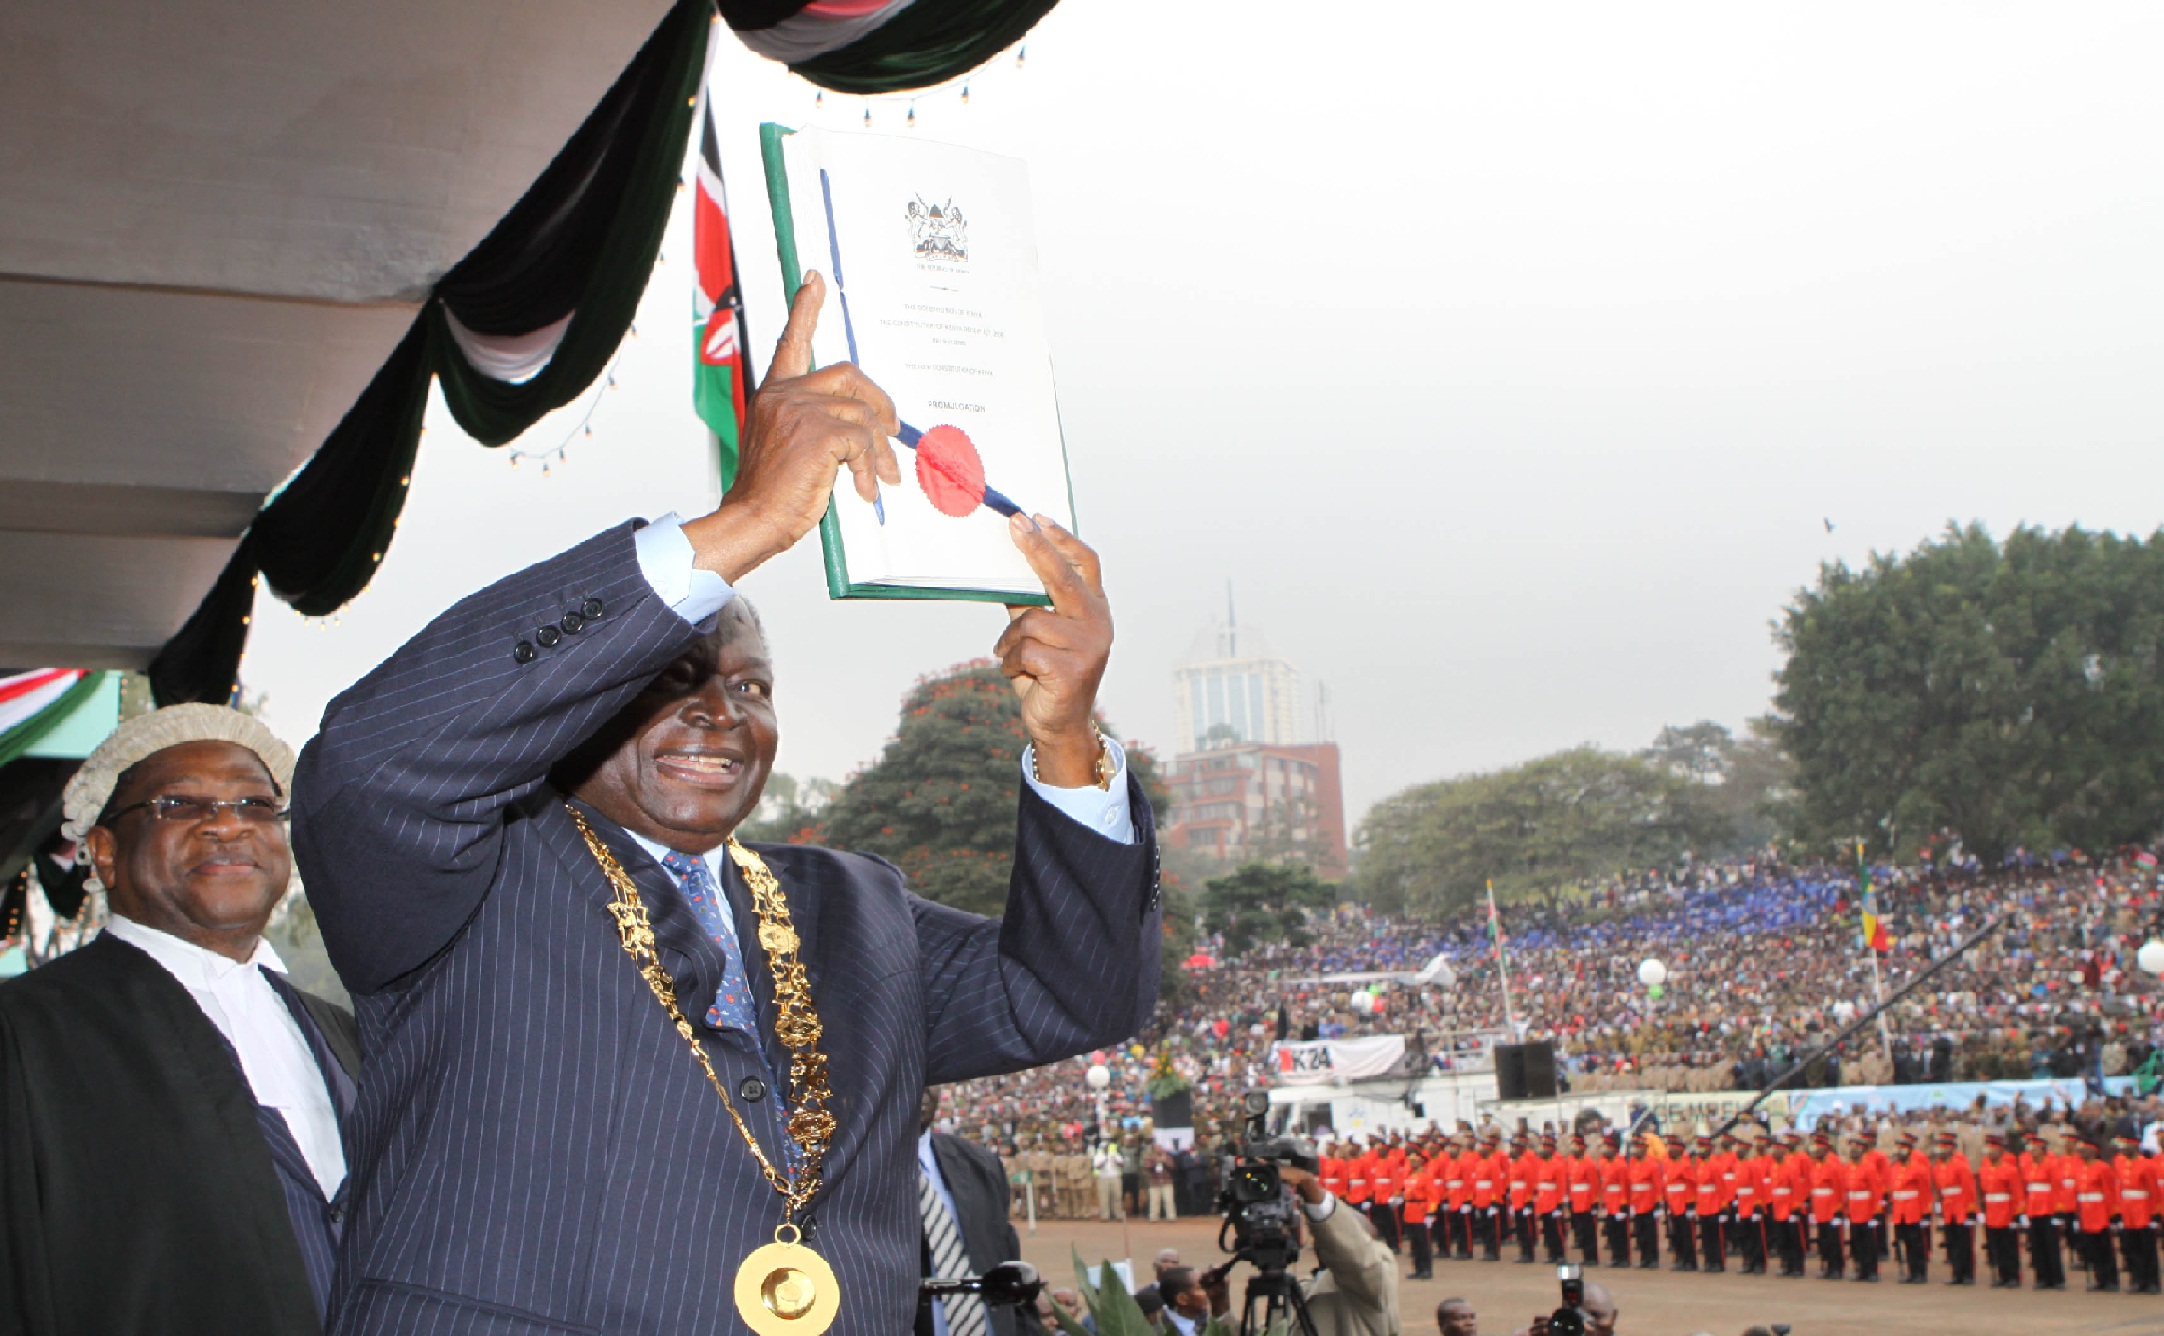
1769,1202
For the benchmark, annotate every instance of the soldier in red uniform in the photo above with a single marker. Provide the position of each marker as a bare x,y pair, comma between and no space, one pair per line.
2063,1199
1421,1193
1829,1205
1909,1210
1458,1184
1954,1186
1748,1215
1524,1165
1615,1196
1491,1191
1647,1178
1386,1193
1581,1189
1866,1209
2039,1170
2138,1187
1551,1200
1788,1192
2003,1195
1679,1183
1715,1184
1333,1170
2096,1213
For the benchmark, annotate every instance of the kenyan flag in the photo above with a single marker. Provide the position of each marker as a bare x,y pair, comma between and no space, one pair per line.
718,370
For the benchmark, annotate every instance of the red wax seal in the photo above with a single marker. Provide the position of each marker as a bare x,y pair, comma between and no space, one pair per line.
949,471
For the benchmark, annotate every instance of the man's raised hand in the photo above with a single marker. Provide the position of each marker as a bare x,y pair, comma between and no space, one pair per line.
1056,656
803,425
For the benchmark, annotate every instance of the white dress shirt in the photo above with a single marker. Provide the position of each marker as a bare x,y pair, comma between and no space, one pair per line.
666,560
274,1054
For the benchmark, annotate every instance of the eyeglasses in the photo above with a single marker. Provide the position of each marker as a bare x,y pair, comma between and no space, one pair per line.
194,811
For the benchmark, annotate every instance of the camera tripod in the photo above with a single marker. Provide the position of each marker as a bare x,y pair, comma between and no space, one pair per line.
1277,1293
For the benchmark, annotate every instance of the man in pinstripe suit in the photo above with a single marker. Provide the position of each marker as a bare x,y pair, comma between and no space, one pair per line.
535,1150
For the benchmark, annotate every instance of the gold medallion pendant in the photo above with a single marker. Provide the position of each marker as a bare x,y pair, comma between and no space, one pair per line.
786,1289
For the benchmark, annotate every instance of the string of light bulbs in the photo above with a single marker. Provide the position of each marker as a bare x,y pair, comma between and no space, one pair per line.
957,88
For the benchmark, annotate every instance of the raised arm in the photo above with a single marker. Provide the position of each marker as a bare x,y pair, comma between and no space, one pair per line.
1071,967
401,800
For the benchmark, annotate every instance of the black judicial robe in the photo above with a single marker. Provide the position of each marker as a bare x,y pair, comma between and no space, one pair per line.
137,1194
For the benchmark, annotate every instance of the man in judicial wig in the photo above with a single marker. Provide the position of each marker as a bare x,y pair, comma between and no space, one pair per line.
626,1074
170,1107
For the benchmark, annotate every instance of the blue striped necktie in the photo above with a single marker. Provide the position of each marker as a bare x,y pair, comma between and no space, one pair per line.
732,1008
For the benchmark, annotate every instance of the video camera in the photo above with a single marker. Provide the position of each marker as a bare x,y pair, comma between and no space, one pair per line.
1255,1206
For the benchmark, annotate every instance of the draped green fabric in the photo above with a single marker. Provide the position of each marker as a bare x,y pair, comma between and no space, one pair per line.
929,42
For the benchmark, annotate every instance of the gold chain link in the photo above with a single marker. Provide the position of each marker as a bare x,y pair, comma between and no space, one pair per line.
809,1124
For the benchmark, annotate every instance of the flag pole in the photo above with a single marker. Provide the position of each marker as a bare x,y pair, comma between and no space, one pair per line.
1502,961
1878,983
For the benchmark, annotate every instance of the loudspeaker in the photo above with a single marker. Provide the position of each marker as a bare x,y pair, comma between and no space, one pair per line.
1510,1071
1525,1071
1540,1071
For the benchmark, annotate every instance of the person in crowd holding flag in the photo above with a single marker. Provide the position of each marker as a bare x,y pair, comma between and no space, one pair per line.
1955,1190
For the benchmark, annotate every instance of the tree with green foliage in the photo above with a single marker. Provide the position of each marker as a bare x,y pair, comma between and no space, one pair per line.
1261,904
1563,820
2009,693
940,801
1738,787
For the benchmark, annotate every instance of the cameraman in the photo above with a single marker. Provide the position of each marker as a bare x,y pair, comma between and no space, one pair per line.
1600,1314
1357,1292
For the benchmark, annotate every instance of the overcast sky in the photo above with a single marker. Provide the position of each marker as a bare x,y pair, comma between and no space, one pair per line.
1510,360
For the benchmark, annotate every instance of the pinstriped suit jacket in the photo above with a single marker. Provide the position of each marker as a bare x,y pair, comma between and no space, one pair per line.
534,1150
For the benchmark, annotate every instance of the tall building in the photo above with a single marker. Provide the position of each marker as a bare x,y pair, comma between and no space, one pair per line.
1258,802
1246,783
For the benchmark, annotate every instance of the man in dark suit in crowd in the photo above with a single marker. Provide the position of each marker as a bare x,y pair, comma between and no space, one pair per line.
966,1203
611,1051
170,1107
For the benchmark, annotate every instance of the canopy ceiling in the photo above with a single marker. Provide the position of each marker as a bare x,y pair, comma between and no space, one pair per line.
220,217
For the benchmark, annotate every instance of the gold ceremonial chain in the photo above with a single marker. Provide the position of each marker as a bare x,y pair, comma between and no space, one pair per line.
782,1288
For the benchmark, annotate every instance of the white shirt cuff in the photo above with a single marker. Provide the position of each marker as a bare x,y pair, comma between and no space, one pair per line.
665,559
1321,1210
1102,810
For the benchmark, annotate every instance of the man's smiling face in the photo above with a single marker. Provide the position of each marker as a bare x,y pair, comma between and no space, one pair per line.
213,881
691,753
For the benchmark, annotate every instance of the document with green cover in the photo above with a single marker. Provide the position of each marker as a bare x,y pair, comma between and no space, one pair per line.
930,256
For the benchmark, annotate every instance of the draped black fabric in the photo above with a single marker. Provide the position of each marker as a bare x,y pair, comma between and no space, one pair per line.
929,42
578,247
581,243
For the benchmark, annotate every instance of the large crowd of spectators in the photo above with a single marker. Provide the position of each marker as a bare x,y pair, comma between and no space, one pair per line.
1764,964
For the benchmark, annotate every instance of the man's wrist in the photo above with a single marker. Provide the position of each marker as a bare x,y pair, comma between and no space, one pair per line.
734,540
1070,760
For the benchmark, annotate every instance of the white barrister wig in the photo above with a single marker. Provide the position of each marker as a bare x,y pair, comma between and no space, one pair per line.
147,734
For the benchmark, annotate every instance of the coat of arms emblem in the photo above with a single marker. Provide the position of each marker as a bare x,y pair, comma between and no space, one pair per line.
938,230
